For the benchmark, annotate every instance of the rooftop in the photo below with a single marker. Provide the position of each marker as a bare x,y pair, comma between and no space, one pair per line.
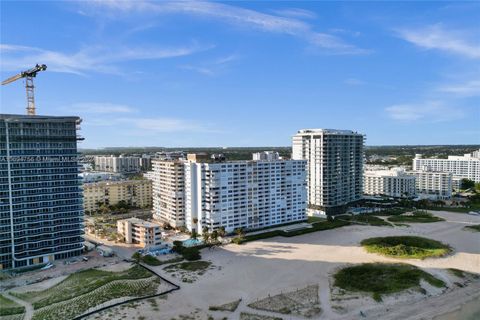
328,131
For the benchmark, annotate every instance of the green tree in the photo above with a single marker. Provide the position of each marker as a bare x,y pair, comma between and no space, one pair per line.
221,232
194,234
205,235
137,257
214,235
466,184
240,233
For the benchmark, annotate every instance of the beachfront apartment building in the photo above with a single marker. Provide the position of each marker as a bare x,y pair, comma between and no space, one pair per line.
205,192
41,200
335,168
168,180
466,166
135,193
432,185
120,164
244,194
391,183
141,232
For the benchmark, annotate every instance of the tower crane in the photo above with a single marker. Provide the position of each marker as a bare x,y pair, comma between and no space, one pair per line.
28,75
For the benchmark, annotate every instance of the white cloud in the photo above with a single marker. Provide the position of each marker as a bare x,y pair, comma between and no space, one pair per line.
467,89
100,108
233,15
430,111
92,59
296,13
354,82
439,38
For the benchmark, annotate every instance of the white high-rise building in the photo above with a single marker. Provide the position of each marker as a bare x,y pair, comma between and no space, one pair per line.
168,178
206,193
391,183
335,167
466,166
244,194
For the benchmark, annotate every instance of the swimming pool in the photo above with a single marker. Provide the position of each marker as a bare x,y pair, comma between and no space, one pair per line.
192,242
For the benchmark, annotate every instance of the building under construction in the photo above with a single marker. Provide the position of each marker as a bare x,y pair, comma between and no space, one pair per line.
41,209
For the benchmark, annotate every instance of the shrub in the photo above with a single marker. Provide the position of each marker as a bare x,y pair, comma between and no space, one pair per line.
394,278
406,247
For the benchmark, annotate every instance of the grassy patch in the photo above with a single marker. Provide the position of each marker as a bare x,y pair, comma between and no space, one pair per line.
231,306
408,247
416,217
473,228
367,219
189,266
113,290
316,226
389,212
9,307
379,279
253,316
80,283
457,272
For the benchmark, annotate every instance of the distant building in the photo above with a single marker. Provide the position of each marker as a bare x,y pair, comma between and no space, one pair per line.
266,156
135,193
206,192
466,166
137,231
145,163
335,167
168,179
41,211
432,184
93,176
390,183
119,164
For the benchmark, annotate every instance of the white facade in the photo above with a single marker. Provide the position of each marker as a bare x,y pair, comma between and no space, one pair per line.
335,167
466,166
244,194
137,231
266,156
432,184
168,192
391,183
119,164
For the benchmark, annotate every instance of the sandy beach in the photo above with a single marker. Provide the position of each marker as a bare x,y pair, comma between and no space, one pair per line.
265,268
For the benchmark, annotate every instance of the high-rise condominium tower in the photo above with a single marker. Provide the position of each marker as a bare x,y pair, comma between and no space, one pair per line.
335,167
41,209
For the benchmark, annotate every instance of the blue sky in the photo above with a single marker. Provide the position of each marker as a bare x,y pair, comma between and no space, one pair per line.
248,73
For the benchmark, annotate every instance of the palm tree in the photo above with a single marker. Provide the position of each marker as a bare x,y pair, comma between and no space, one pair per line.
240,232
214,236
221,232
205,234
194,234
137,257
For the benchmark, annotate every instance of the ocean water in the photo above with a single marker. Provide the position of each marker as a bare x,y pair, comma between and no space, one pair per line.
468,311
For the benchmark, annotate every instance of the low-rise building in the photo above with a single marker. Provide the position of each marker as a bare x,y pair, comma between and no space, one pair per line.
432,185
392,183
137,231
135,193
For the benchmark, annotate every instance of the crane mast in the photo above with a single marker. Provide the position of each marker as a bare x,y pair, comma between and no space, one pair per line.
29,87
